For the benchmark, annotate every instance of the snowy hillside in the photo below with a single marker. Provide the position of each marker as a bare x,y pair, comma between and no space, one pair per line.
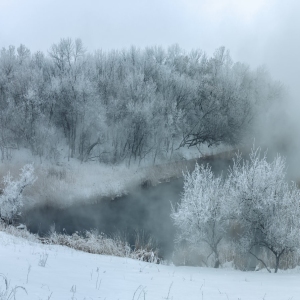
70,274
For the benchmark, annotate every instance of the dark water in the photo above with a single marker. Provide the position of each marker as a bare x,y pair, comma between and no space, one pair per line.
145,210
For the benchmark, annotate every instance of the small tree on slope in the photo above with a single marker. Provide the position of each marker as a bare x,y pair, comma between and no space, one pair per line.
11,200
199,216
265,205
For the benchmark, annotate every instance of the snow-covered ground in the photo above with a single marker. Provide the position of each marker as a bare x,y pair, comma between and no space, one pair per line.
71,182
71,274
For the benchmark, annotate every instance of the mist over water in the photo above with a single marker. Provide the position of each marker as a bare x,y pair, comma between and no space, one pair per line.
144,211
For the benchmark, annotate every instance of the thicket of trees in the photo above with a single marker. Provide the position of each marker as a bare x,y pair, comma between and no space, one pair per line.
255,197
125,105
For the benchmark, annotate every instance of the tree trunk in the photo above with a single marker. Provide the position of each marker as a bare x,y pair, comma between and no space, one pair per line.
278,255
217,263
217,260
277,263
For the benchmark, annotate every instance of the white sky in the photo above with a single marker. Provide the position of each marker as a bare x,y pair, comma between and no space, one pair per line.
255,31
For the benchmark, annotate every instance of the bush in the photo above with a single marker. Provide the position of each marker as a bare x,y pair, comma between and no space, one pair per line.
93,242
11,199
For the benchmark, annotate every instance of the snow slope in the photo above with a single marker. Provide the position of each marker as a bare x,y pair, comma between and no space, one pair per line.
71,274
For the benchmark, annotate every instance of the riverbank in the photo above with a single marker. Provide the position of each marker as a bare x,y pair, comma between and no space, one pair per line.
68,183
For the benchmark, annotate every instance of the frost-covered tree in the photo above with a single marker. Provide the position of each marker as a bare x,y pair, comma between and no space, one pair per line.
126,105
265,205
256,196
11,199
199,217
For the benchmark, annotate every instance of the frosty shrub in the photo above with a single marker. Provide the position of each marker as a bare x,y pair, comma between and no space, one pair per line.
92,242
12,230
199,216
145,248
265,205
11,199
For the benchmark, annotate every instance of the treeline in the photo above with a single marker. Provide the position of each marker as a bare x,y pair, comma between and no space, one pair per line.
126,105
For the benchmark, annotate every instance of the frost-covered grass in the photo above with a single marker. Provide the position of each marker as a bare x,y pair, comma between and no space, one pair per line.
71,274
95,243
92,242
12,230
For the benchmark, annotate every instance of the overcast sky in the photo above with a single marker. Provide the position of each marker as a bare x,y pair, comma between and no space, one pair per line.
255,31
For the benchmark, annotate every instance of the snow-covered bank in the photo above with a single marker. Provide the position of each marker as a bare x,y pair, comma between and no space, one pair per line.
69,183
70,274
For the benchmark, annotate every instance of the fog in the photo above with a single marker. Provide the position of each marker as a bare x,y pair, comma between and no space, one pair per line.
145,212
256,32
260,32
